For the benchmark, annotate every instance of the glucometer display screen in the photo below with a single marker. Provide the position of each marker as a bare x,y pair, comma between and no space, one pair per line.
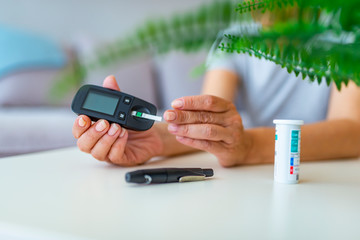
101,102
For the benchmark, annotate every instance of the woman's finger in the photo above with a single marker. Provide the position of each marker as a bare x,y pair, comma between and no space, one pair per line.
202,103
101,149
209,132
89,138
110,82
81,124
186,117
117,152
204,145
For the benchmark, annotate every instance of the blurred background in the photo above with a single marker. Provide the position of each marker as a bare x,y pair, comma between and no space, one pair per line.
102,20
40,38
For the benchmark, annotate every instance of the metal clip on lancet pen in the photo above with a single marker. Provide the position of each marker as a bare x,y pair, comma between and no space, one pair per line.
167,175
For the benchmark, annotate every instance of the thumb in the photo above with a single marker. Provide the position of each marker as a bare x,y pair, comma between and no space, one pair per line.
110,82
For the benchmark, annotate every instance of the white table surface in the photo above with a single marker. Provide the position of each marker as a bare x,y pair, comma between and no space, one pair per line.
66,194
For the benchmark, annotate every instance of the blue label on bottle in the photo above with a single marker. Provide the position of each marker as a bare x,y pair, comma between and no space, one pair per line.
294,141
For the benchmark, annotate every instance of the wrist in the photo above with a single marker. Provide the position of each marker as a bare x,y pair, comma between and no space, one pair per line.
159,131
262,145
249,146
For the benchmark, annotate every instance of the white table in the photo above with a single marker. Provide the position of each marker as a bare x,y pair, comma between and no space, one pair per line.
65,194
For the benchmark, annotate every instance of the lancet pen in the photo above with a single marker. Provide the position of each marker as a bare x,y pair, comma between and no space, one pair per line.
167,175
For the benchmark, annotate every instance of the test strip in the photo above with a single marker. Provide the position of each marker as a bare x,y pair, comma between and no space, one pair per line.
146,116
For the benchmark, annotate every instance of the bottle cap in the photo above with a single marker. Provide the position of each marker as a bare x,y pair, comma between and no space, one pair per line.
288,122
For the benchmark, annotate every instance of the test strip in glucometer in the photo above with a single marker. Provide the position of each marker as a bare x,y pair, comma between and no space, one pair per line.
146,116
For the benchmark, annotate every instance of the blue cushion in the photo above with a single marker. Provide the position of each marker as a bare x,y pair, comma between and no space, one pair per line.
25,51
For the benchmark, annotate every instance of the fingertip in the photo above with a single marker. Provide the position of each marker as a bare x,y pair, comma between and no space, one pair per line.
110,82
180,138
172,128
85,118
114,129
177,103
123,132
81,122
110,78
169,115
101,125
80,125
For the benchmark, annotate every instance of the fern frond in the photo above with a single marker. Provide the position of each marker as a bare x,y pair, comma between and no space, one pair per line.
318,58
264,5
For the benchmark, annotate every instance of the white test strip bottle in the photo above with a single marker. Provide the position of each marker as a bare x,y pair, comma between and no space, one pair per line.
287,150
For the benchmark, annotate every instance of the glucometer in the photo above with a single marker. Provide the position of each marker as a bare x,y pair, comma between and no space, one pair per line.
114,106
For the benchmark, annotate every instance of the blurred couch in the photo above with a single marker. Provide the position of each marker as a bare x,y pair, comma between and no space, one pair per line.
31,121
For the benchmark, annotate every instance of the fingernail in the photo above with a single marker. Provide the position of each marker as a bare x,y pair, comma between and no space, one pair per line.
82,122
100,126
180,138
178,103
172,127
113,129
123,131
170,116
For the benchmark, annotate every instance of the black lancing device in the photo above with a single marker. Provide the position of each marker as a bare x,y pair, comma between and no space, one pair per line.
116,107
168,175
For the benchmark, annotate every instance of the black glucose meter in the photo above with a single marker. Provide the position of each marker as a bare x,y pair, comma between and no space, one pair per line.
116,107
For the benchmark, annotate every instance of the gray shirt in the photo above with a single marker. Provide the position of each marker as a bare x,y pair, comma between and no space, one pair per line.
267,91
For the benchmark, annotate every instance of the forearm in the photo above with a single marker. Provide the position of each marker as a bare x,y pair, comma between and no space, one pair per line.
324,140
221,83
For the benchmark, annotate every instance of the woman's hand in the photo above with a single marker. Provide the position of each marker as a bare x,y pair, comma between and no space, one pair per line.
211,124
114,144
